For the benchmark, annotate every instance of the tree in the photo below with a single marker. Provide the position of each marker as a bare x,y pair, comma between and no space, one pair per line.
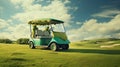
23,41
6,41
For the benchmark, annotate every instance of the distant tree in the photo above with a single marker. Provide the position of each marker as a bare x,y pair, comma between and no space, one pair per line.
23,41
6,41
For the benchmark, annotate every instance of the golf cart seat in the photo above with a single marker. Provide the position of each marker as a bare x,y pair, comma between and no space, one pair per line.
43,34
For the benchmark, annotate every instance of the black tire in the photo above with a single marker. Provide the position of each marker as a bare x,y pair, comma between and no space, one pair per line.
65,47
31,45
54,46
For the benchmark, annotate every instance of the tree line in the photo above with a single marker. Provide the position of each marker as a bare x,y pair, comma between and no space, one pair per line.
18,41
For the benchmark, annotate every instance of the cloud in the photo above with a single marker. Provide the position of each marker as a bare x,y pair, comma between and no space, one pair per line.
15,32
22,3
107,13
3,23
23,31
8,30
4,35
78,23
66,1
56,9
92,29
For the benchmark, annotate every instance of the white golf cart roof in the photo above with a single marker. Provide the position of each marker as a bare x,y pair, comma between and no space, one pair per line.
45,21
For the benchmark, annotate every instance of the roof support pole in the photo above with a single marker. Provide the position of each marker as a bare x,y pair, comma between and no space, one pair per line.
64,27
30,31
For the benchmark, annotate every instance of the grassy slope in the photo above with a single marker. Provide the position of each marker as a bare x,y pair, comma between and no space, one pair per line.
97,43
77,56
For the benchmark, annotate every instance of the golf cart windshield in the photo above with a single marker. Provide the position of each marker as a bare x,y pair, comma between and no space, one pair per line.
58,28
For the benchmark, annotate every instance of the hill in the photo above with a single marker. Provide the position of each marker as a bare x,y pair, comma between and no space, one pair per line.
81,54
97,43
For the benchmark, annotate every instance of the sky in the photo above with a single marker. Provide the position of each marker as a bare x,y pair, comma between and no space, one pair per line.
84,19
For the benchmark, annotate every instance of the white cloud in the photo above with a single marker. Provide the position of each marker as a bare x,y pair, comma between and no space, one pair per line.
78,23
93,29
13,31
3,23
67,1
22,3
4,35
107,13
18,31
56,9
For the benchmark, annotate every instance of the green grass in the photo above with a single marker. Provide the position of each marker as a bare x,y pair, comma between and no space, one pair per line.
14,55
97,42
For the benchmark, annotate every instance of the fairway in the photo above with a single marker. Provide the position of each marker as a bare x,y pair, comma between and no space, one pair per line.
14,55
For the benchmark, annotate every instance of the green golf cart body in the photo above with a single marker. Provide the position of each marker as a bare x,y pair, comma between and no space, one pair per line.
52,39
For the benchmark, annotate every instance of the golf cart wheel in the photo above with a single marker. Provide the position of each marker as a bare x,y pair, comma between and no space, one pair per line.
65,47
54,46
31,45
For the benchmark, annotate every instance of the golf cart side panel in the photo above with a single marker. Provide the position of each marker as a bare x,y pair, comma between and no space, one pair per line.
59,41
60,38
44,41
36,42
41,41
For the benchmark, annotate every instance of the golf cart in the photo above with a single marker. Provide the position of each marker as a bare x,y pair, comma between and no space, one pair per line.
54,36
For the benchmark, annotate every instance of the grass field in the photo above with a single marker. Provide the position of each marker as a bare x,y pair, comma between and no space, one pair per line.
79,55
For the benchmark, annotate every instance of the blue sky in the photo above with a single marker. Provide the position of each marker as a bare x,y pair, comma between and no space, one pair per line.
84,19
